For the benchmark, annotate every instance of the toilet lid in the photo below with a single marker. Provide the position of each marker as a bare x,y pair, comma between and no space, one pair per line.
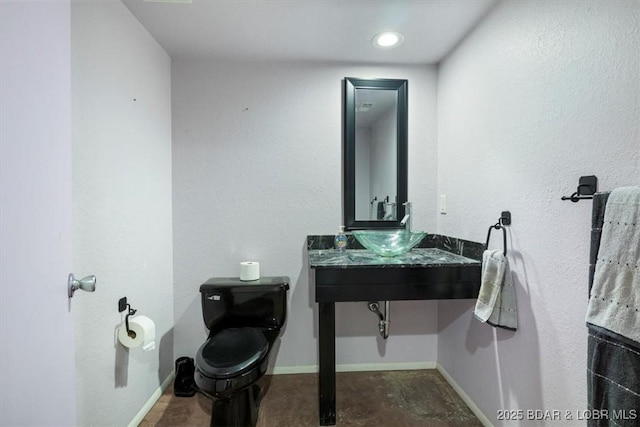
231,352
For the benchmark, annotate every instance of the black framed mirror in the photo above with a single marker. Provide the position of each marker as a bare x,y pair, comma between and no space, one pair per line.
375,152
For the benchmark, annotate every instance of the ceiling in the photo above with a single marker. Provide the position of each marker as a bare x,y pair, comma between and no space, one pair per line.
309,30
379,102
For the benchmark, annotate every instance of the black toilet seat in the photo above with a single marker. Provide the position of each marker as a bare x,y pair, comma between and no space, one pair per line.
232,352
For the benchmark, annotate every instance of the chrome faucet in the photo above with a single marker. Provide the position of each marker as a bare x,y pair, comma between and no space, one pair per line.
406,220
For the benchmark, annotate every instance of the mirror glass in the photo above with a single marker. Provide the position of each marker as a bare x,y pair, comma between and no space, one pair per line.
375,152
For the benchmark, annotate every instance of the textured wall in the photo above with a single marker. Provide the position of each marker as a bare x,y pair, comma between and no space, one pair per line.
257,167
538,95
122,207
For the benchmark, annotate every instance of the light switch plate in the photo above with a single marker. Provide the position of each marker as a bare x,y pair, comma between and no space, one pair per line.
443,204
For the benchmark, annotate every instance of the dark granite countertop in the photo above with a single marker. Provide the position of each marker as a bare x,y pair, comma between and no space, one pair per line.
362,258
440,267
433,251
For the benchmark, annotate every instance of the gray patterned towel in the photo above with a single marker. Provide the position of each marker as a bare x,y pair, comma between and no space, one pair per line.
614,303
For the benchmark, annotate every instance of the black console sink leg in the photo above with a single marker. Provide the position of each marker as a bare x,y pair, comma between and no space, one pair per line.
327,362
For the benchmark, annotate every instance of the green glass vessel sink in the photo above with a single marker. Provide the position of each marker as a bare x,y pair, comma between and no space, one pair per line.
388,242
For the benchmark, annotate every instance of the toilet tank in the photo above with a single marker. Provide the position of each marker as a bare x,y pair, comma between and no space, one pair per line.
229,302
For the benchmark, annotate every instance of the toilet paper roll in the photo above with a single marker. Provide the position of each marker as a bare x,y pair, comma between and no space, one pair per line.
142,332
249,270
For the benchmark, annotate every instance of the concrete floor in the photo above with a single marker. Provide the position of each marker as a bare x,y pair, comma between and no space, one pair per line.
378,399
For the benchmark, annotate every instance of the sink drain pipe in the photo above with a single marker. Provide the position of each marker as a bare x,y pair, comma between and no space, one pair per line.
383,319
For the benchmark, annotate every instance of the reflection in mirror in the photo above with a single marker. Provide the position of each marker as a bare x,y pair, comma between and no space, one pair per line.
375,152
376,157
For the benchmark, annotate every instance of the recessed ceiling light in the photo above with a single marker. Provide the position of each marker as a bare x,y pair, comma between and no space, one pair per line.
387,40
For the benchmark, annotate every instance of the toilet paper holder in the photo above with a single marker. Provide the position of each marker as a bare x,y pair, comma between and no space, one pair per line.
122,306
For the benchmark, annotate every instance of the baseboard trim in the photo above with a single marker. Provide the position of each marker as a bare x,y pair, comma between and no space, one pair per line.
152,400
359,367
464,396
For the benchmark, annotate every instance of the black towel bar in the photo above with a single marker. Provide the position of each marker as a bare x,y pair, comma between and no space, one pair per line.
504,236
587,187
505,219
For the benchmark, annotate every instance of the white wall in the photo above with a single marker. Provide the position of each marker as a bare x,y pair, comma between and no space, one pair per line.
37,375
122,207
538,95
257,161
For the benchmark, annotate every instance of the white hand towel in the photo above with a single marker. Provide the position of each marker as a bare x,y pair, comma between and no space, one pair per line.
505,312
496,302
493,269
614,303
